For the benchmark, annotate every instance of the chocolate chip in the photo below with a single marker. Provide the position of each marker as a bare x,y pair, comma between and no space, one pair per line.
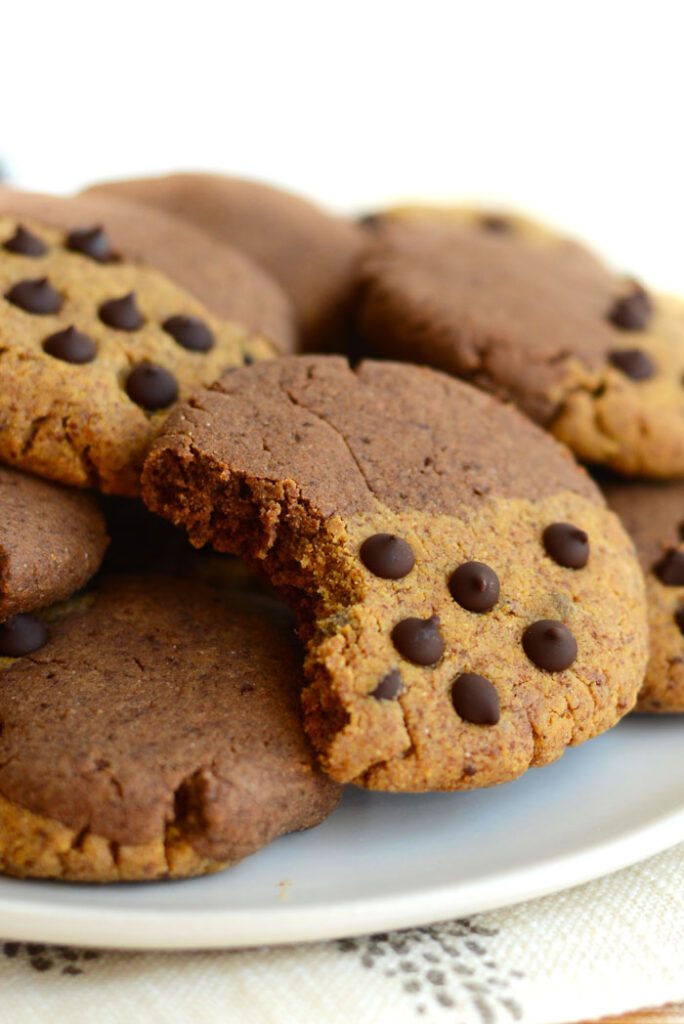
389,687
633,362
189,332
151,386
247,360
633,311
91,242
121,314
387,556
71,346
41,963
474,586
550,645
475,699
670,568
21,634
419,640
679,618
35,296
24,243
567,545
495,223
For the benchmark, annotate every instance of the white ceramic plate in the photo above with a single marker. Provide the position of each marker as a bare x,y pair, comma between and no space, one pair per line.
386,861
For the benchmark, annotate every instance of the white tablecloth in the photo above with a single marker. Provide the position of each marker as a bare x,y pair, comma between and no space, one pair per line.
604,948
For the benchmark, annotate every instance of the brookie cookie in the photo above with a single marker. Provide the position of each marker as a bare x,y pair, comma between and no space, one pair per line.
653,513
109,315
588,354
52,541
488,221
469,604
157,734
313,255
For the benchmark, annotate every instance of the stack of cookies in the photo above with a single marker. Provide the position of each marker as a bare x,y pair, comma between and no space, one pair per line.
242,566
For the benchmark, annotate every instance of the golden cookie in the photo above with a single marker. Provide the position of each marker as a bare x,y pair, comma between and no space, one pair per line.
95,346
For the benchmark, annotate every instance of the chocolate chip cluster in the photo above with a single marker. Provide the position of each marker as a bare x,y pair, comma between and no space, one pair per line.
148,384
632,312
548,644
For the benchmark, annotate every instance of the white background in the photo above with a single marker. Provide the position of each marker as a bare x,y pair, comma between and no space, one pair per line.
573,110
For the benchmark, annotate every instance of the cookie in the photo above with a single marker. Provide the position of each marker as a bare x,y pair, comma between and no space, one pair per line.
485,220
52,541
470,606
157,734
219,276
99,338
653,514
313,255
589,355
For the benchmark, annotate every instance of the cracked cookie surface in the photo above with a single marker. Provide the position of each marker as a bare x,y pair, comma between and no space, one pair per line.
52,541
653,514
314,255
156,734
453,638
584,352
95,348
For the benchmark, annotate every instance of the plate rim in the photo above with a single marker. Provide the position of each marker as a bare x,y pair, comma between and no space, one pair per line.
285,924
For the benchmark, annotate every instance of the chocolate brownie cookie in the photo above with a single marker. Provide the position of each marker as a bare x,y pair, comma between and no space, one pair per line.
156,734
469,604
588,354
653,513
52,541
98,340
313,255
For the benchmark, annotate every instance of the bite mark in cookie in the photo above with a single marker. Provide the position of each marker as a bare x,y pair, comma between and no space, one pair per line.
296,467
